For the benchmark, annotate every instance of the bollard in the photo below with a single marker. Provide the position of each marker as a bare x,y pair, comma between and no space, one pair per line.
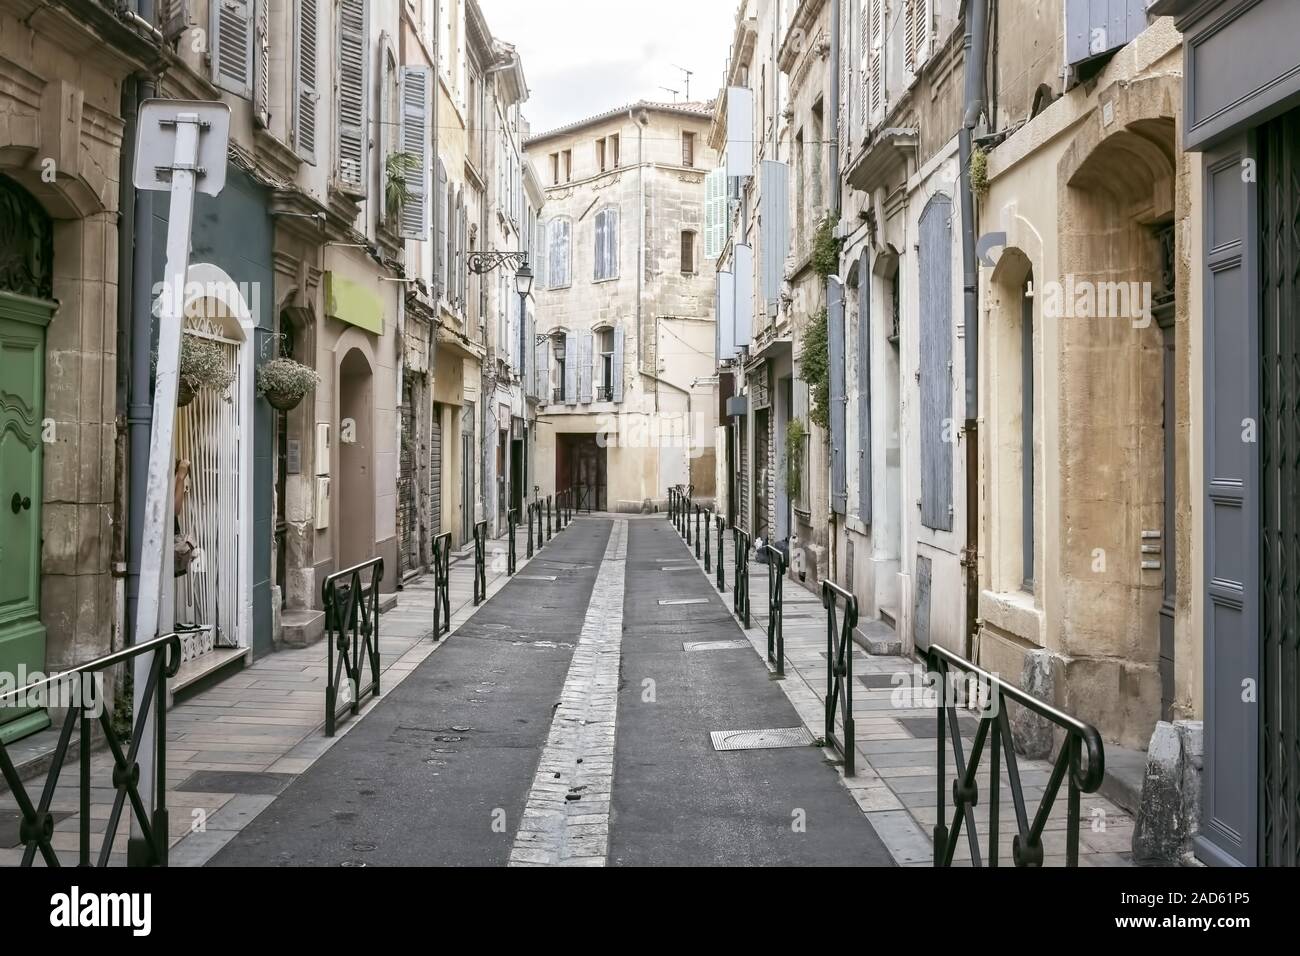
708,520
529,509
548,517
512,520
697,532
722,580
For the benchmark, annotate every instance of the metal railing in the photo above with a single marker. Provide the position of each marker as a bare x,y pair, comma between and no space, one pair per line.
480,562
697,532
741,545
995,730
839,672
512,521
708,520
441,584
775,607
557,396
352,631
722,577
84,691
604,393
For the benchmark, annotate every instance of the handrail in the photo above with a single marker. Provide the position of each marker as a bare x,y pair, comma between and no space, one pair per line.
839,671
480,562
351,628
775,607
36,826
441,584
741,544
1080,738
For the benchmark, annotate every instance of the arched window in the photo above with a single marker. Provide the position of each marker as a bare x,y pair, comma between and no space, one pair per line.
606,244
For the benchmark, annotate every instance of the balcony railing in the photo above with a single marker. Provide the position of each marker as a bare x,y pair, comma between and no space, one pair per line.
604,393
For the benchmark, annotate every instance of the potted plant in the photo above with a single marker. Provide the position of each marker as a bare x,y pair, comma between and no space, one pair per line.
284,382
203,365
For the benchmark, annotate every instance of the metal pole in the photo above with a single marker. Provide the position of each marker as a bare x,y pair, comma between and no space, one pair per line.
157,558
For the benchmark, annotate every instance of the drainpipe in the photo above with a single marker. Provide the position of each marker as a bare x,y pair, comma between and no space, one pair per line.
834,124
640,121
139,316
975,50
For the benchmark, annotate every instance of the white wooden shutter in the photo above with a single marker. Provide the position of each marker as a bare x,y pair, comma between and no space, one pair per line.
262,59
440,240
542,369
352,93
570,369
585,359
715,212
305,85
877,79
538,258
618,363
231,35
415,83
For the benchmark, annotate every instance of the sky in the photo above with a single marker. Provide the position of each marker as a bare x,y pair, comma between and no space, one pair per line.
583,57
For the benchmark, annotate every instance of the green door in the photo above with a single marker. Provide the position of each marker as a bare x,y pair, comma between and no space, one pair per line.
22,388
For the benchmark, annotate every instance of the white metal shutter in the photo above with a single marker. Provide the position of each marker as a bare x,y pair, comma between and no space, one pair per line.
835,341
725,317
744,304
774,231
231,34
415,84
584,367
305,85
618,363
715,210
740,131
352,93
440,240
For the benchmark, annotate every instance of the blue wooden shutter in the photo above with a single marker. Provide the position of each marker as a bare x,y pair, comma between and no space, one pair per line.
618,363
835,339
774,233
864,388
934,261
1095,27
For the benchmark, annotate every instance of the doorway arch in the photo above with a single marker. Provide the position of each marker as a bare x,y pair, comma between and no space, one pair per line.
355,501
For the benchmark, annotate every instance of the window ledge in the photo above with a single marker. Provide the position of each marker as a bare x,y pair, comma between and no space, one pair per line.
1013,612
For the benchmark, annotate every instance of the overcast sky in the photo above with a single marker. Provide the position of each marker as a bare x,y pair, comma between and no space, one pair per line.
583,57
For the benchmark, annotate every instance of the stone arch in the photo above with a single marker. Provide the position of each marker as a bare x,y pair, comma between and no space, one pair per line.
354,499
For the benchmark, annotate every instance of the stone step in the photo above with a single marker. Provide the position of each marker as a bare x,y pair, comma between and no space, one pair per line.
877,637
301,627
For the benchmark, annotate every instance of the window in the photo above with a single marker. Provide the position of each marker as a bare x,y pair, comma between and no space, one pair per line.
559,256
353,97
688,149
555,169
560,346
688,252
566,159
607,153
606,244
605,365
600,155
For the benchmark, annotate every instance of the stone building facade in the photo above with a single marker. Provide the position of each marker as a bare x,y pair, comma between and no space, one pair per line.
625,334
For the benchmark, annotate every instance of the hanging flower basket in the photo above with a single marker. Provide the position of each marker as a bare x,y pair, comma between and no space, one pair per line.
184,394
202,365
285,382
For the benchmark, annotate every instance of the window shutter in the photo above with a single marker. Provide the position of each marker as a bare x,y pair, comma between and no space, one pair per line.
304,78
538,257
715,212
173,17
934,260
415,83
835,339
352,92
744,323
231,33
740,131
570,369
865,11
877,99
774,231
559,250
618,363
864,388
440,240
585,359
262,56
542,368
725,317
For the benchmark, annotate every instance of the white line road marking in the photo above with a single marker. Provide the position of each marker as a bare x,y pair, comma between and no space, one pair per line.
566,819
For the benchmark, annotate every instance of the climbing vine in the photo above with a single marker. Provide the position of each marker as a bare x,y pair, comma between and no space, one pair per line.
826,249
794,437
814,367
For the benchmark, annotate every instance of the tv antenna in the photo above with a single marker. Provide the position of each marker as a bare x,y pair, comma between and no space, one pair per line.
687,74
675,93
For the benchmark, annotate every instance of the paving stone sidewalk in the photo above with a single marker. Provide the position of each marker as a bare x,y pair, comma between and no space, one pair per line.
895,783
266,720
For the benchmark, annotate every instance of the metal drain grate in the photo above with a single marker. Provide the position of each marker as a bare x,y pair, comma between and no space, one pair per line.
713,645
770,739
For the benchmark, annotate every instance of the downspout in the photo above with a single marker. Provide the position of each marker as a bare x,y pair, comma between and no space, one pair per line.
640,243
121,450
139,255
975,51
834,124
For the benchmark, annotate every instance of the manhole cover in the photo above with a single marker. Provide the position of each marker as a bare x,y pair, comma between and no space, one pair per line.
713,645
684,601
770,739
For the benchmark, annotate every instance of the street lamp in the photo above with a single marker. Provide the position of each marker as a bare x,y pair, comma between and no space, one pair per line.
523,286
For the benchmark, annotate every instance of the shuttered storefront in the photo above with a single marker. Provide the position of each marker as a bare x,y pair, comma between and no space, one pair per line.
741,430
435,470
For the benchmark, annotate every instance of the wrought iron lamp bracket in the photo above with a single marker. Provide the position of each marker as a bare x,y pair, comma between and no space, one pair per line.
481,263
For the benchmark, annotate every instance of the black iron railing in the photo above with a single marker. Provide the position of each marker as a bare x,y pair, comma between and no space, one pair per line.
722,578
839,672
775,607
512,520
81,690
741,545
557,396
480,562
351,601
672,505
604,393
990,693
441,584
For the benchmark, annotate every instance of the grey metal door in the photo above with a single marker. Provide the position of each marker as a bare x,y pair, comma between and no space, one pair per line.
935,265
1229,804
435,471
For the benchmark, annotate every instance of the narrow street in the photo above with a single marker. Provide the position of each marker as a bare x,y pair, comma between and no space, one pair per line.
452,766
